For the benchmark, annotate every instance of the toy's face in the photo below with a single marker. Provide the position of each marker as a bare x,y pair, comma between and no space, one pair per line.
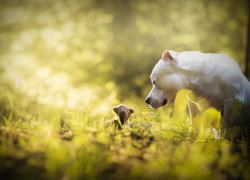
123,112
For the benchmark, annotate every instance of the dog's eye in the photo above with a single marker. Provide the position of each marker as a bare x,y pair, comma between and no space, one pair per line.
154,82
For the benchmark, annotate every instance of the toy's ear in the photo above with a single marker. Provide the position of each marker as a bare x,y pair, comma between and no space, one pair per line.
131,111
115,109
166,56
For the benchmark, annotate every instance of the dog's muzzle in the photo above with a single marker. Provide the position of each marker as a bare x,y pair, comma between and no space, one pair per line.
147,100
165,102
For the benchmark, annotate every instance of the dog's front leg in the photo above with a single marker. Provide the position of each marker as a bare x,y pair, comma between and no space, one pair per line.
226,130
217,133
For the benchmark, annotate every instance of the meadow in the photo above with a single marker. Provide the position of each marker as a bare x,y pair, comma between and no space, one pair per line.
59,143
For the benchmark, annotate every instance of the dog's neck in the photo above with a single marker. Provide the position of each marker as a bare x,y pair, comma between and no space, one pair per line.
185,78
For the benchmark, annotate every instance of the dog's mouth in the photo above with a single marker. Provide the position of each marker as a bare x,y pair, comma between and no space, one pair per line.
156,105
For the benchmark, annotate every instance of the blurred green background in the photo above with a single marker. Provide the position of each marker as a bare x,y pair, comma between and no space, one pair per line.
65,63
70,53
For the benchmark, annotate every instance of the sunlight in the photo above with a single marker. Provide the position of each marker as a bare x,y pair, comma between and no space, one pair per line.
67,29
52,38
12,15
28,36
58,82
104,18
77,98
102,109
17,46
43,72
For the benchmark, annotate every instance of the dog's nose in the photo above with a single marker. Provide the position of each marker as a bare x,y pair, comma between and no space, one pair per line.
164,102
147,100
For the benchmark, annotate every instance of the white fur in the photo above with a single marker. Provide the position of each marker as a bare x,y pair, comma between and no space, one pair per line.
216,77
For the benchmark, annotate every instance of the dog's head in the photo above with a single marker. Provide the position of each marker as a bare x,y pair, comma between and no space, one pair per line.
166,79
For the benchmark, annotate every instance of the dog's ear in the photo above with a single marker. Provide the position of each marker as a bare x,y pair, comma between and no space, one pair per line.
166,56
170,55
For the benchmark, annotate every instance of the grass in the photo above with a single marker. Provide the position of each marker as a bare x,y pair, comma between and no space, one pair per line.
59,143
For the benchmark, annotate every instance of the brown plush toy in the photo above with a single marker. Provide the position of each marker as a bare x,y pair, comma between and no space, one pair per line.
122,112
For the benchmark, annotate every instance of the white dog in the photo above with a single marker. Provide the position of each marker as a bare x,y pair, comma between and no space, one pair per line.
216,77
